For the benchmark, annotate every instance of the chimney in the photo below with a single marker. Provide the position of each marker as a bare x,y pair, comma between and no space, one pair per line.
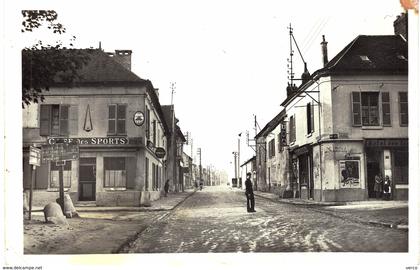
291,89
123,57
305,75
401,25
324,51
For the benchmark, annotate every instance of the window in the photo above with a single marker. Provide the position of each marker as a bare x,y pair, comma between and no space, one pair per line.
147,123
309,118
154,132
146,178
116,119
403,100
272,148
292,129
54,120
370,109
155,177
366,107
54,175
386,109
115,172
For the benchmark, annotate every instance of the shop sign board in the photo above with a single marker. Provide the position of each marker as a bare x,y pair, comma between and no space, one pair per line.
160,152
60,152
34,156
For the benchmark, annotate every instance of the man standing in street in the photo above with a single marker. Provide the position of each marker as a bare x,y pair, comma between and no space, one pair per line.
250,201
166,188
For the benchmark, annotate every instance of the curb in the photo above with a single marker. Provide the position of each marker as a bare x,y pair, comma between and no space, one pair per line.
314,206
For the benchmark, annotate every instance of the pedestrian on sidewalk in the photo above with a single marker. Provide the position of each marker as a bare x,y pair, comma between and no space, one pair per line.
378,187
387,188
249,193
166,188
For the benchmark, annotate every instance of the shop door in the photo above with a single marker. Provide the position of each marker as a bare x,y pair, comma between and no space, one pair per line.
304,176
372,170
87,179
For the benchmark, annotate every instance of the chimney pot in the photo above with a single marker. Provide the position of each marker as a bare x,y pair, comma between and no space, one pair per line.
123,57
324,51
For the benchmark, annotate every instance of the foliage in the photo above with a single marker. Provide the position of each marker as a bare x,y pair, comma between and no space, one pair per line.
43,65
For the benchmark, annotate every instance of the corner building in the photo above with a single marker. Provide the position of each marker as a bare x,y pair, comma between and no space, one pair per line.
116,119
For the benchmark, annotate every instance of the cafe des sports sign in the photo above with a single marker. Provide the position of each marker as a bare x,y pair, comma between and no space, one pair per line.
96,141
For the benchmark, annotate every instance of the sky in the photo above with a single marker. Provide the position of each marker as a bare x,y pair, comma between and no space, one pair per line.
228,59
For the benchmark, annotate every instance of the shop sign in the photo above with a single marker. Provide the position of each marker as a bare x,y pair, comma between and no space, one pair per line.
90,141
34,156
386,143
60,152
160,152
349,173
138,118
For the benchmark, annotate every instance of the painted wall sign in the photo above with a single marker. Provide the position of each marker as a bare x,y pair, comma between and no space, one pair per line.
138,118
94,141
386,143
349,174
160,152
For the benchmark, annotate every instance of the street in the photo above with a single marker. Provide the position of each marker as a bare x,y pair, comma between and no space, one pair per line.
215,220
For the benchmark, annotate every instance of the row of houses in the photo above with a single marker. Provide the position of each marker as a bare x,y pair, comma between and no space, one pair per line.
344,124
121,130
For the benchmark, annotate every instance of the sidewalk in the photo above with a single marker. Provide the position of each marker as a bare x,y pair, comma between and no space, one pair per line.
84,235
391,214
163,204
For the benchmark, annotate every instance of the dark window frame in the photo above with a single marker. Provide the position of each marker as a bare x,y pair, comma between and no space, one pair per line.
403,101
60,118
115,123
110,164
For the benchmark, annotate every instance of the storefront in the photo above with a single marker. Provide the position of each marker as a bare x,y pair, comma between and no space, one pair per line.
117,171
302,177
388,157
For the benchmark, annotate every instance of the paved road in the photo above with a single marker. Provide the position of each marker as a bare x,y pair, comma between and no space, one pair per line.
215,220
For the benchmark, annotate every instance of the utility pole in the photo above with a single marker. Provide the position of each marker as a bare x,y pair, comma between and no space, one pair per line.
199,166
239,158
235,154
174,146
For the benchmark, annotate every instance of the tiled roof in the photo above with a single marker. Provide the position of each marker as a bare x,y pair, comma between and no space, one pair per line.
102,69
370,54
365,55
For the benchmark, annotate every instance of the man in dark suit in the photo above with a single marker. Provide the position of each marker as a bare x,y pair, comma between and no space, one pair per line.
250,201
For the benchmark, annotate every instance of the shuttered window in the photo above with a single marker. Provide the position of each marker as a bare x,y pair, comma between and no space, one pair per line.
403,100
386,109
309,118
54,120
117,114
146,178
292,129
356,109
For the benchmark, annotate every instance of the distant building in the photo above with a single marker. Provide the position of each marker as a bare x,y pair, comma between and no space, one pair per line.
116,119
176,140
249,166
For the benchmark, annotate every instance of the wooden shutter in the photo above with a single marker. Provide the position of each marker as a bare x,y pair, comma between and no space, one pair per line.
131,166
403,100
356,109
386,109
112,119
41,177
45,120
73,120
26,173
121,116
64,119
312,117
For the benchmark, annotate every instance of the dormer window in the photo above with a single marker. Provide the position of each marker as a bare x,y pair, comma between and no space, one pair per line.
364,58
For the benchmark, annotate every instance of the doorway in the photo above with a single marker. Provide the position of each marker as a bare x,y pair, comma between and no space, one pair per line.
87,179
372,170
